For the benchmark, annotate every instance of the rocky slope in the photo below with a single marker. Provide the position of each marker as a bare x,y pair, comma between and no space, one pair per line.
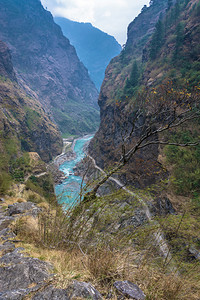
136,68
25,276
105,147
23,124
47,65
94,47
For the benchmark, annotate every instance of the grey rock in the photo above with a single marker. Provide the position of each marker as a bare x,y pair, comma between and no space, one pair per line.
83,290
6,233
28,208
164,206
138,219
2,200
7,246
18,294
18,272
51,293
129,290
194,252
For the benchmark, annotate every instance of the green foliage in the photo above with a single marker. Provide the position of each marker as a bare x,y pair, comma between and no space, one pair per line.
179,39
132,82
169,4
11,146
42,185
70,125
181,231
32,118
157,40
20,167
5,181
186,162
197,10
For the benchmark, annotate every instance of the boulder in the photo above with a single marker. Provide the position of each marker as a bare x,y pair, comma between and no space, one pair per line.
194,252
7,246
51,293
18,272
27,208
129,290
83,290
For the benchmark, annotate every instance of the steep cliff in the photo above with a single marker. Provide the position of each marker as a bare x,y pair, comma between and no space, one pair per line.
23,124
106,146
157,49
47,65
94,47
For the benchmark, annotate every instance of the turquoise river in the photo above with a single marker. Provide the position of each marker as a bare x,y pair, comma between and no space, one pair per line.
67,192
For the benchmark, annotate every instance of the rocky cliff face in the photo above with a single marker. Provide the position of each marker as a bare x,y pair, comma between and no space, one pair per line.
23,123
106,146
175,58
6,67
47,65
94,47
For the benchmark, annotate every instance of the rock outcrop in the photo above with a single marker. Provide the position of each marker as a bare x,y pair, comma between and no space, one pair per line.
178,33
129,290
6,66
106,145
47,65
22,119
21,275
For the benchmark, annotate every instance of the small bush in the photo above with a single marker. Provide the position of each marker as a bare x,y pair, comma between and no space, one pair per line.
5,181
102,265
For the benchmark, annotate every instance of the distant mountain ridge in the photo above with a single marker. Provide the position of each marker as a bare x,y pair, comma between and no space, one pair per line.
47,66
94,47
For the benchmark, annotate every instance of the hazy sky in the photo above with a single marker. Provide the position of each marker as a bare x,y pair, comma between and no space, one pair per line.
111,16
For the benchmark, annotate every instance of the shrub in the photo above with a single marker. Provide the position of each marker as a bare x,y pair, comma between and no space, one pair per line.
5,181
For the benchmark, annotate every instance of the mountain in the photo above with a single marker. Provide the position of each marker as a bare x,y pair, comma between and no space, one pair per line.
47,66
94,47
162,46
24,125
106,145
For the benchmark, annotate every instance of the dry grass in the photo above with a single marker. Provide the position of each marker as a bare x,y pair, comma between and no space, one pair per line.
12,200
103,267
26,228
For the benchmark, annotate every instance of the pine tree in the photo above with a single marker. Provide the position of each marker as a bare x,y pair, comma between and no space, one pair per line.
169,5
134,77
157,39
132,82
179,39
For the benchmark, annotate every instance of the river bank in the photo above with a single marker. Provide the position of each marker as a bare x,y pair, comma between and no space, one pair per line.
68,188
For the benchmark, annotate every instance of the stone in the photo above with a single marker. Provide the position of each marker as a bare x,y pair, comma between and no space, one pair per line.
19,293
6,234
83,290
138,219
27,208
51,293
7,246
164,206
194,252
19,272
129,290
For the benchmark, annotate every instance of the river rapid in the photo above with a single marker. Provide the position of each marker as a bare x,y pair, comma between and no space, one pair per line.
68,191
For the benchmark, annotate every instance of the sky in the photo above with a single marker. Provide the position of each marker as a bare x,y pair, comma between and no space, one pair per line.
111,16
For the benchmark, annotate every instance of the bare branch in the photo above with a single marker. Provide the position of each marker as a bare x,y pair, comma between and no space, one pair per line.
164,109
